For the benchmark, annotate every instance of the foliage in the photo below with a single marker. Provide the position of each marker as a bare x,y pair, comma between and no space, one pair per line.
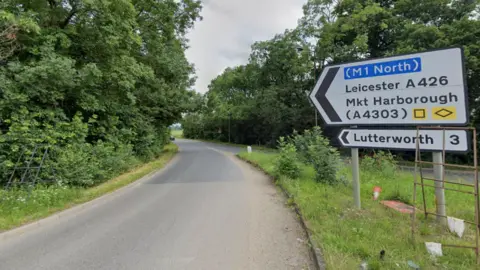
98,81
260,101
383,163
10,27
286,163
315,149
87,165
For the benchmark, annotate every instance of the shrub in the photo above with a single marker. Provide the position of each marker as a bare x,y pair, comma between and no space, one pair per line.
381,163
287,164
88,165
112,160
74,165
315,149
149,141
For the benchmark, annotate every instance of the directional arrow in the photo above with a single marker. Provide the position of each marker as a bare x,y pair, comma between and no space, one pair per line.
405,139
344,137
322,94
388,91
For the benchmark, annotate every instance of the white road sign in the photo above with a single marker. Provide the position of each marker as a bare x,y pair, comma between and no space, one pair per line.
417,89
429,140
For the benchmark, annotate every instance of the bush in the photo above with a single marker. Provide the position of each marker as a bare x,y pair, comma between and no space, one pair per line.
111,160
88,165
315,149
287,164
380,163
74,165
150,141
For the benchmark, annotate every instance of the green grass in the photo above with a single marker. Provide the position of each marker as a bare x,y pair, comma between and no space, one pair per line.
16,208
177,133
348,236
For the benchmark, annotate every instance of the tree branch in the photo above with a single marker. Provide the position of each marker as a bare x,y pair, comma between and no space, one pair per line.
52,3
69,17
140,13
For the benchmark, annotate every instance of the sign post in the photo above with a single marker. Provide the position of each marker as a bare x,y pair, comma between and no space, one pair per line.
419,89
439,191
315,109
356,178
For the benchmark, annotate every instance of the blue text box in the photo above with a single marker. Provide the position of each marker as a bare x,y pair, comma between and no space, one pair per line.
409,65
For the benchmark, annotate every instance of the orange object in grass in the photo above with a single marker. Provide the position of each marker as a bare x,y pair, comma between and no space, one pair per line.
376,192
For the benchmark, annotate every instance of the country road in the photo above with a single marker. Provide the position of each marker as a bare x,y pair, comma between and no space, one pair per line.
205,210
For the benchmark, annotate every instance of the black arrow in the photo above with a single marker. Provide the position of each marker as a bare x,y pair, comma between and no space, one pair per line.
322,91
344,137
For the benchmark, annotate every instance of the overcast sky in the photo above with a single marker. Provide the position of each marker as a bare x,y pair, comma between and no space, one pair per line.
229,28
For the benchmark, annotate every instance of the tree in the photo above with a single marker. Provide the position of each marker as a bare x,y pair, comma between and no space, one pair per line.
265,98
97,75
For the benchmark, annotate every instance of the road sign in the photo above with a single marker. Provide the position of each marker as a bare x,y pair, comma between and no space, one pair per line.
429,140
425,88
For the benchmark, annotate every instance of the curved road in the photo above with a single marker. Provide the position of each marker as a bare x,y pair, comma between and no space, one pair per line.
205,210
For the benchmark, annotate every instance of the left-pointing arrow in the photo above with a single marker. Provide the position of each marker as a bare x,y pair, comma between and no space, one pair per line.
344,137
322,91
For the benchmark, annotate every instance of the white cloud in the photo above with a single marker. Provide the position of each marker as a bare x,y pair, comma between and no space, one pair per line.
230,27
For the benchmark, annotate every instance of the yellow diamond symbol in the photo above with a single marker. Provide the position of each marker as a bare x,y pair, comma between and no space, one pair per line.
444,113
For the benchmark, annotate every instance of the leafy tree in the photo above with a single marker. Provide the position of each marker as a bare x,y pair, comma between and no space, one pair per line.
105,76
264,99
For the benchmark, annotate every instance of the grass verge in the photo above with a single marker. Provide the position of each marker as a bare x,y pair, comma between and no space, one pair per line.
16,208
177,133
348,236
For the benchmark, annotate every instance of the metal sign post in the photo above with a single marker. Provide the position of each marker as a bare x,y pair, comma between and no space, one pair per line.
356,178
439,191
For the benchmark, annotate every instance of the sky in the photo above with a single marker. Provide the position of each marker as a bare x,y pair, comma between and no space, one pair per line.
228,29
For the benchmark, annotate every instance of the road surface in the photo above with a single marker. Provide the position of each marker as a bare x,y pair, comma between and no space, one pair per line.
206,210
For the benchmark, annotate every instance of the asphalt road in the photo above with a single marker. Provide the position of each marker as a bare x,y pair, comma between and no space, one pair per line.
205,210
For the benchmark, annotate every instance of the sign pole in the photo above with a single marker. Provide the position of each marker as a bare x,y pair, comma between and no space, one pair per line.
356,178
439,191
229,120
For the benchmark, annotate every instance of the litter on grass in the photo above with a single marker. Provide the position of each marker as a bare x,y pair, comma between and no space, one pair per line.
435,249
456,226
